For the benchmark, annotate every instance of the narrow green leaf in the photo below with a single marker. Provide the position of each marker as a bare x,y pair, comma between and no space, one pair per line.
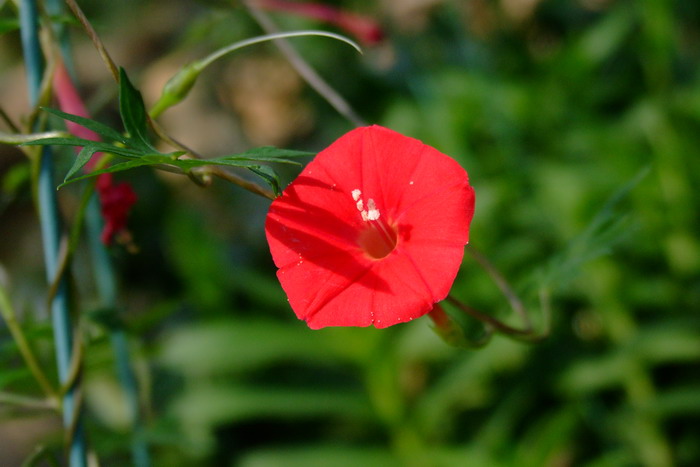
97,145
131,164
60,141
133,113
267,154
101,129
83,157
269,175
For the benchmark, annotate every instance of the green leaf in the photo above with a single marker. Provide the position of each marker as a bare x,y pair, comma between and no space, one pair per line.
131,164
133,113
83,157
15,177
11,375
8,25
188,164
269,175
326,455
99,128
267,154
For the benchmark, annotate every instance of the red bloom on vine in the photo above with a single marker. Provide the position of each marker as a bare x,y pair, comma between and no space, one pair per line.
372,232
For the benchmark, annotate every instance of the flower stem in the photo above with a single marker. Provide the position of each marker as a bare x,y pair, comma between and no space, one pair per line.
51,231
527,332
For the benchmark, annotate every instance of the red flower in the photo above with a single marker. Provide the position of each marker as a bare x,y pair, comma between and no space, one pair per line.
372,231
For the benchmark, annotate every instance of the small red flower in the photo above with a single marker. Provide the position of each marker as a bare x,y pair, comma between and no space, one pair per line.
116,200
372,231
364,28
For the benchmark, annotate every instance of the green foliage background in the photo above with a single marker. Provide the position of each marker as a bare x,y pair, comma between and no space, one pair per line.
553,112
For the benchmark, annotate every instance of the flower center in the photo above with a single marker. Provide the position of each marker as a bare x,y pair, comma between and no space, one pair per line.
377,239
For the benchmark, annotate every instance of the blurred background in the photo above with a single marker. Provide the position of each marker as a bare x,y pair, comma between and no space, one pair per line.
579,124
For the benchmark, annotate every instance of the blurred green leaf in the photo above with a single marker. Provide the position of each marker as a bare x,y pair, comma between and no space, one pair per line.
218,403
680,401
8,25
15,177
608,227
549,439
12,375
320,456
193,350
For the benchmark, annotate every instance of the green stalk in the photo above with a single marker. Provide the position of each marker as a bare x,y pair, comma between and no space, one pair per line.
8,314
51,231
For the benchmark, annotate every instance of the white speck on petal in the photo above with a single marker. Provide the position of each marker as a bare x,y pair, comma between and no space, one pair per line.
356,194
411,182
360,206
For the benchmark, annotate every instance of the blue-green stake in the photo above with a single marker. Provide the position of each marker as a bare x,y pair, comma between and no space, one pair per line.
51,234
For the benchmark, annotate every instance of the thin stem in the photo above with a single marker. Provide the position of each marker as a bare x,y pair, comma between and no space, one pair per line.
240,181
95,38
304,69
8,314
8,121
205,62
50,229
527,333
451,332
512,297
27,402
